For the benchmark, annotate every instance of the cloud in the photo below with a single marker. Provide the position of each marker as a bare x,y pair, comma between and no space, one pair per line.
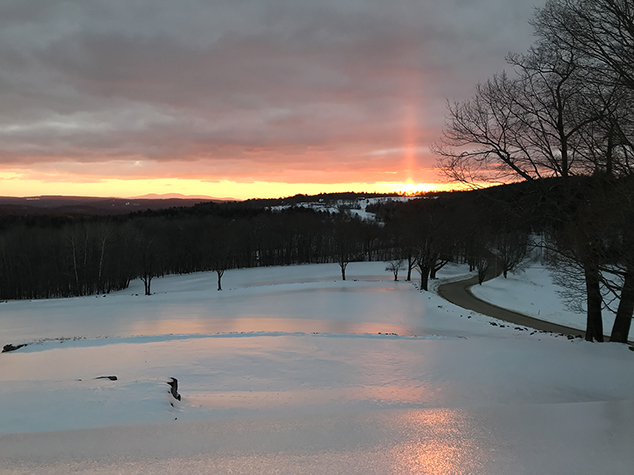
242,89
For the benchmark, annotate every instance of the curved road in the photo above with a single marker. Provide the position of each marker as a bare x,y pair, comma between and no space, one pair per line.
458,293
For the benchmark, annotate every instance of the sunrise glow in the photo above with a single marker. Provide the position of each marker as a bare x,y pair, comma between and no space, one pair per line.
416,188
12,185
233,105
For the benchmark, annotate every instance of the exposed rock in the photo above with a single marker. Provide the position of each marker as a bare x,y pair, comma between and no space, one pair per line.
111,378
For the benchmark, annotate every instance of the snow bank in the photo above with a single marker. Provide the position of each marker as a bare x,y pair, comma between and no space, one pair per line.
533,293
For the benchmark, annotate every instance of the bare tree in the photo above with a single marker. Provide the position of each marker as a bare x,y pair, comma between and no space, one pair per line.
482,140
346,236
523,127
220,272
148,260
601,33
221,252
620,261
104,233
566,112
601,30
439,264
482,267
395,266
509,249
425,259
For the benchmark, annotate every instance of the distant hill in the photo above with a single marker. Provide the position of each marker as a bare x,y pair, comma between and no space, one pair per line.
179,196
85,206
90,206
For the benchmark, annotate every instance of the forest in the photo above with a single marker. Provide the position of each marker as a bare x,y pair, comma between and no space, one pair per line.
55,256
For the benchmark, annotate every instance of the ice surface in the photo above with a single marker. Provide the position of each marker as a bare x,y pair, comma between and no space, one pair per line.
291,370
580,439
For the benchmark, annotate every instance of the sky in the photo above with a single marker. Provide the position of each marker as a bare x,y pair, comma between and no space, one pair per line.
239,99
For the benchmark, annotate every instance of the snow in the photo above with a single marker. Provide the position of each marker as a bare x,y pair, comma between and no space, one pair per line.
354,207
291,370
533,293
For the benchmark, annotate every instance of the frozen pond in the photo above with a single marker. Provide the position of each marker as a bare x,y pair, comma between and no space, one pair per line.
521,441
327,307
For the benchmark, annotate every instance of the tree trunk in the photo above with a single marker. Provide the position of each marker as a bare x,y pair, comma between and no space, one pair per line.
424,277
411,262
102,255
439,264
343,266
623,321
483,269
147,281
220,274
72,243
594,324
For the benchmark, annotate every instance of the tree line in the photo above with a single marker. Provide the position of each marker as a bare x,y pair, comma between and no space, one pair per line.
42,257
491,229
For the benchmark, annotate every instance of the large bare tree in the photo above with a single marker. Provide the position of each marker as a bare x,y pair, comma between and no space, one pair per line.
565,112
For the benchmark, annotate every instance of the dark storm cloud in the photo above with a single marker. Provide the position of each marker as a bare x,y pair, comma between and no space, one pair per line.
267,82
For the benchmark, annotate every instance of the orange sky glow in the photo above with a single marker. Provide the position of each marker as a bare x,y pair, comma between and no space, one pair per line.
221,99
16,184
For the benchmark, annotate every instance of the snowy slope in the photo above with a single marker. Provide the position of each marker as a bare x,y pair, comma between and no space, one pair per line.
533,293
291,370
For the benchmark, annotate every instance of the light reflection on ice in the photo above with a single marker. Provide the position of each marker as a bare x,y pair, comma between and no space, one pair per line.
262,324
527,440
388,396
324,307
444,443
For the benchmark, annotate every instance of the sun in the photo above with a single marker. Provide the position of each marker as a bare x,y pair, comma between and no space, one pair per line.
415,188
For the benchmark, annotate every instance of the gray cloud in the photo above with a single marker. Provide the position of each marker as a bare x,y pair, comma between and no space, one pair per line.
223,83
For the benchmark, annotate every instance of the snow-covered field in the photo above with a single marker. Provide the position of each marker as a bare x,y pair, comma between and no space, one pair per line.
354,207
291,370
